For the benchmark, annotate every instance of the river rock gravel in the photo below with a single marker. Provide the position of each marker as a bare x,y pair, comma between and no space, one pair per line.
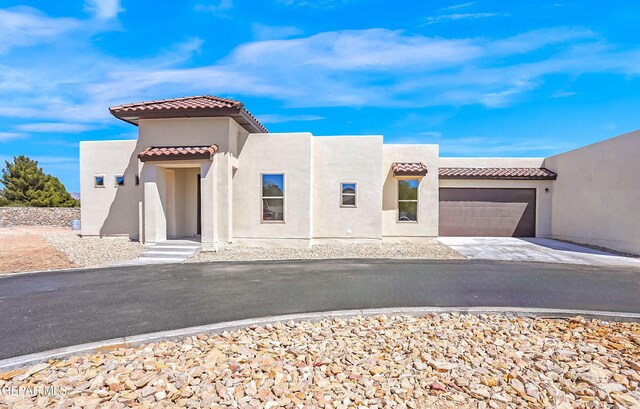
430,250
94,251
434,361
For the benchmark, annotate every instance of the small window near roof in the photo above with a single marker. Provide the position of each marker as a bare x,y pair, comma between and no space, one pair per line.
348,195
119,180
408,200
98,181
137,180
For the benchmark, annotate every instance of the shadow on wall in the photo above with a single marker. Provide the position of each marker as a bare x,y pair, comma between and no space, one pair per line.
389,199
122,217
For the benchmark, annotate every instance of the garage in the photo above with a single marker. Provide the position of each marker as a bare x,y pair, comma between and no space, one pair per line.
489,212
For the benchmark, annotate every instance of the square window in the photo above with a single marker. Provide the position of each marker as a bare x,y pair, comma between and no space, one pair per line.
98,181
272,197
348,192
119,180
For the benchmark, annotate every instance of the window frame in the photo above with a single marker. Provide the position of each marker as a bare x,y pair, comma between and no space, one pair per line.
115,180
262,197
416,200
354,194
95,181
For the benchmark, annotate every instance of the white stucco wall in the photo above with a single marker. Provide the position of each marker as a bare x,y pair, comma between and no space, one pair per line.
596,198
287,153
109,210
353,159
428,206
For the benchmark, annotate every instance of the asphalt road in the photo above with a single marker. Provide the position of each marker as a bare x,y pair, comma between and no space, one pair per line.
49,310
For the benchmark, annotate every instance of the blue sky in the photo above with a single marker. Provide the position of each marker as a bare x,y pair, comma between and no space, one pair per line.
480,78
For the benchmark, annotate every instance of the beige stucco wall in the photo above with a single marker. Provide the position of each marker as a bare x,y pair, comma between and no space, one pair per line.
543,199
427,224
338,159
188,132
287,153
109,210
596,198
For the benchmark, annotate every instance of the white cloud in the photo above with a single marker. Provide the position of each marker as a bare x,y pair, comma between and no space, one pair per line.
103,9
219,7
278,118
264,32
54,127
458,16
9,136
372,67
316,4
459,6
25,26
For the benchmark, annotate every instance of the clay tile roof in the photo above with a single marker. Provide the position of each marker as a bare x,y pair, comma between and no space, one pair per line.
199,105
497,173
409,169
195,102
177,152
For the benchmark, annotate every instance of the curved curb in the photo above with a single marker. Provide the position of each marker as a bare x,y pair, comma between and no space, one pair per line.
122,342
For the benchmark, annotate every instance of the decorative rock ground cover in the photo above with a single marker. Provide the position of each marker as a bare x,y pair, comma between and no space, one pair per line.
94,251
430,250
436,361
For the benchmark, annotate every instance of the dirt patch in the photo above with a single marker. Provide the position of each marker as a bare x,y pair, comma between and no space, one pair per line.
22,248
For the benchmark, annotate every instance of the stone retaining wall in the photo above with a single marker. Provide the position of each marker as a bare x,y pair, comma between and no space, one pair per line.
38,216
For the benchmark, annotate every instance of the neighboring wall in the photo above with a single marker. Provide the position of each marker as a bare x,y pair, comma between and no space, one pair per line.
352,159
109,210
38,216
596,198
543,198
287,153
427,224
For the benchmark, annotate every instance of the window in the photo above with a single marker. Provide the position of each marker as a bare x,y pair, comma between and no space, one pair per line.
273,198
408,200
119,180
137,180
98,181
348,195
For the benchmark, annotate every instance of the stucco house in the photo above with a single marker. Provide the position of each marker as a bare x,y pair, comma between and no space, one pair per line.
205,167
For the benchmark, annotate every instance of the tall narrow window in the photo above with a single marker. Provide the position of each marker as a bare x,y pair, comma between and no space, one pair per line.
408,200
272,197
348,193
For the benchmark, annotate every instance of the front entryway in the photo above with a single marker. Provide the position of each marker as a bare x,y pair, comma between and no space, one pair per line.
482,212
183,202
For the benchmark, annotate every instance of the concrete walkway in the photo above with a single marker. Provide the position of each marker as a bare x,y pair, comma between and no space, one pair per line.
43,311
534,249
166,252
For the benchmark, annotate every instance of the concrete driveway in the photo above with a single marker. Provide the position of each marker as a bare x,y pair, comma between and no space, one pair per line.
534,249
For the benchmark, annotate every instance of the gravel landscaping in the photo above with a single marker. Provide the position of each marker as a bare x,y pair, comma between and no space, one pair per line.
94,251
435,361
432,250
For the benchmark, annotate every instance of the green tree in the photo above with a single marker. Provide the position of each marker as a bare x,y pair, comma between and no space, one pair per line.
26,184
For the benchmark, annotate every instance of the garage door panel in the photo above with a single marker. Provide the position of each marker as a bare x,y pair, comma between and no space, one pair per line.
487,212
